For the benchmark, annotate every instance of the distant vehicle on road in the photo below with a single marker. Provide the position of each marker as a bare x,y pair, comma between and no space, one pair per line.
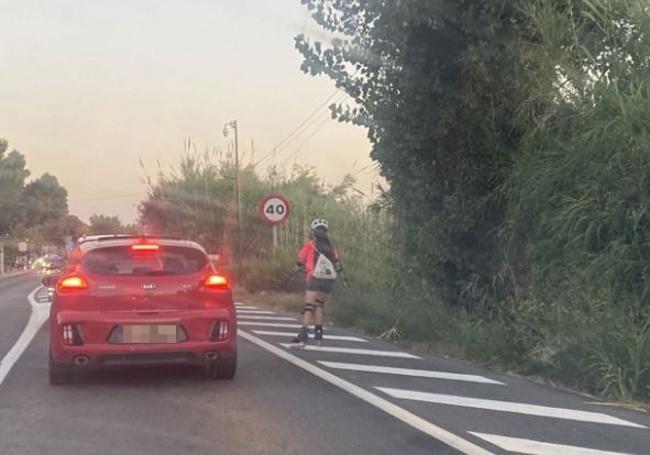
129,300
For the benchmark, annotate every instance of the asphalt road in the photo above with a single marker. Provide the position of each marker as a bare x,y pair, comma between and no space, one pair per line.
354,395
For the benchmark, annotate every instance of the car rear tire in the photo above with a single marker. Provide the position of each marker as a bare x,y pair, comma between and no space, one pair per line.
222,368
59,373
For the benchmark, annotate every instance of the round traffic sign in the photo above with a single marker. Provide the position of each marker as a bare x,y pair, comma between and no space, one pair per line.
274,209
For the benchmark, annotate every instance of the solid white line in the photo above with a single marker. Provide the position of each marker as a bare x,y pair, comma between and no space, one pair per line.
270,324
245,307
39,315
373,352
529,447
254,312
410,372
290,334
267,318
508,406
402,414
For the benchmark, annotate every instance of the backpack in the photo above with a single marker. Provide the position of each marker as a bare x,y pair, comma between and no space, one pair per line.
324,269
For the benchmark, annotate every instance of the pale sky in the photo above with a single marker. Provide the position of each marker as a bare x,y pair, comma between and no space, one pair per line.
87,87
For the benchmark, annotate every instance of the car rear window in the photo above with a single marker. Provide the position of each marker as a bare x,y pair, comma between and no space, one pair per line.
122,261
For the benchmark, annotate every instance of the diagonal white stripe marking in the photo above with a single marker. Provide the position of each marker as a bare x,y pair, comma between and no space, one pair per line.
254,312
373,352
266,318
270,324
529,447
291,334
508,406
392,409
410,372
37,318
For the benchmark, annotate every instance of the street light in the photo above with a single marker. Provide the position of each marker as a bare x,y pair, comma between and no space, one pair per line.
226,128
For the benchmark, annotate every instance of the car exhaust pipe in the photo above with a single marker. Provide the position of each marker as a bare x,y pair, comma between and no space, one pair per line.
210,355
81,360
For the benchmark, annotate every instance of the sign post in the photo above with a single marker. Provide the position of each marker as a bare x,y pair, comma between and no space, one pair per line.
275,236
275,210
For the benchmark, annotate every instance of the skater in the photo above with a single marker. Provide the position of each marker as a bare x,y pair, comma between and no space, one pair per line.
321,263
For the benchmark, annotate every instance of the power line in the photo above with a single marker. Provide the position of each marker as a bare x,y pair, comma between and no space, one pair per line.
299,148
293,134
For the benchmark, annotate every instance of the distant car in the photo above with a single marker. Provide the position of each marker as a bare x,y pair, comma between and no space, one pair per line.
127,300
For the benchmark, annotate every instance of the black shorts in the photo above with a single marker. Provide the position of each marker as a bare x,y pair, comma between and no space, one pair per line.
320,285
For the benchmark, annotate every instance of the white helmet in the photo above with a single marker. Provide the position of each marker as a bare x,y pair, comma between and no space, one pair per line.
319,223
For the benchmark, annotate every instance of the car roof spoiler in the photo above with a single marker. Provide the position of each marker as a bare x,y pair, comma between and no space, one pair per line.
99,238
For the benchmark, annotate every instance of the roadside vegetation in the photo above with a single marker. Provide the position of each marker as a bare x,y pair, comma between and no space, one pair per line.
32,210
35,211
516,228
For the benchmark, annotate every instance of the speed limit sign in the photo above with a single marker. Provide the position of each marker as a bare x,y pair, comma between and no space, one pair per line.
274,209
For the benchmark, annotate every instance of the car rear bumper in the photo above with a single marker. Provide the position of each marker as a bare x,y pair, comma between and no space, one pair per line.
149,354
95,329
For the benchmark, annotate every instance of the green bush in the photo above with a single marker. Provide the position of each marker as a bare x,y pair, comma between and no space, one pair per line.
268,275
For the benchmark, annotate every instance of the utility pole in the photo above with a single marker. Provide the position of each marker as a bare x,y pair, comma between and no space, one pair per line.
2,257
233,125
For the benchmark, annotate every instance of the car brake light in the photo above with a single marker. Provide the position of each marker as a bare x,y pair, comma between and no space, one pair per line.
72,283
145,247
215,281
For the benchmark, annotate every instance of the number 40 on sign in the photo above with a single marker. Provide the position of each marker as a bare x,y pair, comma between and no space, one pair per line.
274,209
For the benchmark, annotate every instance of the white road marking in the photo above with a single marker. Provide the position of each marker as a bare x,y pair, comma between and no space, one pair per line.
270,324
280,325
528,447
373,352
245,307
37,318
266,318
290,334
402,414
410,372
508,406
254,312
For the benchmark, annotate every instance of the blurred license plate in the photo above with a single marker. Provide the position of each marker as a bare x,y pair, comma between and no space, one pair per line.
149,333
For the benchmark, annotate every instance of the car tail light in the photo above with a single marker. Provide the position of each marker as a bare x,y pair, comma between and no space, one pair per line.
71,283
220,331
216,281
70,335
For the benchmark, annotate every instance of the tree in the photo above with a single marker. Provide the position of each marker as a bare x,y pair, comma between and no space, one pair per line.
437,84
43,200
12,180
74,227
103,224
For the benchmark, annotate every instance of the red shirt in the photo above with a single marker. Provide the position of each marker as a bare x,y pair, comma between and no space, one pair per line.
307,257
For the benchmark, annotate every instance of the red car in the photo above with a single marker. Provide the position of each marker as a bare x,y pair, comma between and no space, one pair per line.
127,300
